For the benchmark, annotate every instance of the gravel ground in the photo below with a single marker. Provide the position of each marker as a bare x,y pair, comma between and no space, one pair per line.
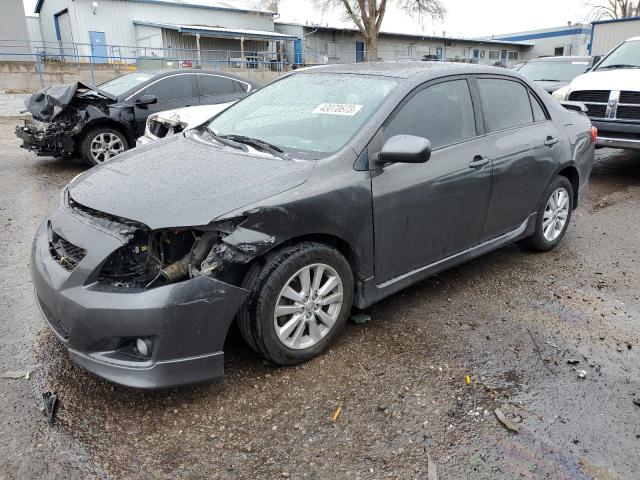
511,321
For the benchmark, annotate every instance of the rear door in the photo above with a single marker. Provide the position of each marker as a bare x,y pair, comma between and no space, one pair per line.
174,91
213,89
524,146
426,212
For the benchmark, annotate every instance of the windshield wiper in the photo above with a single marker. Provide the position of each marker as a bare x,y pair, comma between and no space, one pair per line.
618,65
224,140
257,143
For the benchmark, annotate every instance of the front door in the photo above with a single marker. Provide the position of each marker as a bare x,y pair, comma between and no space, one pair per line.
175,91
427,212
359,52
98,47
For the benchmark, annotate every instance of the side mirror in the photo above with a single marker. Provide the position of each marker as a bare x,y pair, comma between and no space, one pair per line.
405,149
146,100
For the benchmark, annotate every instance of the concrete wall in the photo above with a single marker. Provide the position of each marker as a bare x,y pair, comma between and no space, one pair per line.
13,26
607,35
115,18
23,76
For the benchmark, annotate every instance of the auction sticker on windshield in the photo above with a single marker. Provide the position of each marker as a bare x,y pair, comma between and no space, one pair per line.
349,109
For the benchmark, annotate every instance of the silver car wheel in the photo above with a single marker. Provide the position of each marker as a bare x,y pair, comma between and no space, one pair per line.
308,306
555,214
106,145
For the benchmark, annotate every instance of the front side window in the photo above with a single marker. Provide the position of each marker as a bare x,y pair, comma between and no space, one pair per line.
313,112
441,113
171,88
505,104
120,85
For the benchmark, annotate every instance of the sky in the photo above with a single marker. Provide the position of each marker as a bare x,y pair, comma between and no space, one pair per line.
465,18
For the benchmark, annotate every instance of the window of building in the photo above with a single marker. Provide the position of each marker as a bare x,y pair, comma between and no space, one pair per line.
442,113
494,54
505,104
558,51
513,56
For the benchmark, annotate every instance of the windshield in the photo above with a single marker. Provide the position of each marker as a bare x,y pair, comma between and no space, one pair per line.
554,71
313,112
123,84
627,55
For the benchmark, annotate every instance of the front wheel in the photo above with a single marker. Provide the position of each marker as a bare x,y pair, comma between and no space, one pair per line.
554,214
299,302
101,144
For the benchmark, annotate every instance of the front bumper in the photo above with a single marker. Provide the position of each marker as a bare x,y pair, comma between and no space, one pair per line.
144,140
188,320
615,134
43,144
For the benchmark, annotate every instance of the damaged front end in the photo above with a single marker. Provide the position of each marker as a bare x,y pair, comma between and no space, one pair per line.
154,258
59,114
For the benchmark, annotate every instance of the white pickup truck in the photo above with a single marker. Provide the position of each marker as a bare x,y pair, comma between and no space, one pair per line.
611,93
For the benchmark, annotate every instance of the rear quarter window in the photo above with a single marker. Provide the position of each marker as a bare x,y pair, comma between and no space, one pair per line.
215,85
505,104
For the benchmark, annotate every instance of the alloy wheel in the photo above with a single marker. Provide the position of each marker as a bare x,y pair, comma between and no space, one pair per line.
105,146
555,215
308,306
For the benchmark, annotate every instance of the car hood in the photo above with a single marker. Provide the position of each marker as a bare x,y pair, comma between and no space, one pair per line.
618,79
551,86
184,181
46,104
192,116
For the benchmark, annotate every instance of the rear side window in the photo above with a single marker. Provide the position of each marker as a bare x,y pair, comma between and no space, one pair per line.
171,88
538,111
505,104
240,87
215,85
442,113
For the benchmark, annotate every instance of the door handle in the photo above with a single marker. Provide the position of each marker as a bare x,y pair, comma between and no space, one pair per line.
550,141
478,161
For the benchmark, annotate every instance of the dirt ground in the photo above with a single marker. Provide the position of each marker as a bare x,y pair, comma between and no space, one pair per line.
511,320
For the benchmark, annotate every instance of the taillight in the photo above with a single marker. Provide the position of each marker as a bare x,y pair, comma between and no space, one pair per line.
594,134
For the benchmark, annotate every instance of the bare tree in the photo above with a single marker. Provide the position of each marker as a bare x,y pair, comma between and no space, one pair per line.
367,15
603,9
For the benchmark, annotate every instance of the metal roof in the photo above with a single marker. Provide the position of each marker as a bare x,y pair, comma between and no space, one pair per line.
215,5
415,35
220,32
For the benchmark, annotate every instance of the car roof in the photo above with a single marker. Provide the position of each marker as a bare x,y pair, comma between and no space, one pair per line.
567,58
169,72
406,69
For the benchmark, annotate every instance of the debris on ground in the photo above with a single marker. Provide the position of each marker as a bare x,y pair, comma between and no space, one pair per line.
573,361
582,373
506,421
336,414
17,374
432,469
467,380
50,401
636,401
360,318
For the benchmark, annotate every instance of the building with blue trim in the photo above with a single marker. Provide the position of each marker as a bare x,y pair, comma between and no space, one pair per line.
606,34
554,41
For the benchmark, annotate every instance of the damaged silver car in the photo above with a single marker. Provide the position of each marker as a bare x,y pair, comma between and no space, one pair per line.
98,123
330,188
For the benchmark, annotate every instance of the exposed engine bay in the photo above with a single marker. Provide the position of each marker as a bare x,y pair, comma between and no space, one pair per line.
152,258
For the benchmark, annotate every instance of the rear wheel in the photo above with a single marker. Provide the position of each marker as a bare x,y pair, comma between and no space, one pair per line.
101,144
299,302
554,214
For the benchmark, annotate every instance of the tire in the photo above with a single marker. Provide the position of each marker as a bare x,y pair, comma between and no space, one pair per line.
541,241
266,282
113,140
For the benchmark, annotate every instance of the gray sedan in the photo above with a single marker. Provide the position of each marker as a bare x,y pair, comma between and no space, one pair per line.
332,187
